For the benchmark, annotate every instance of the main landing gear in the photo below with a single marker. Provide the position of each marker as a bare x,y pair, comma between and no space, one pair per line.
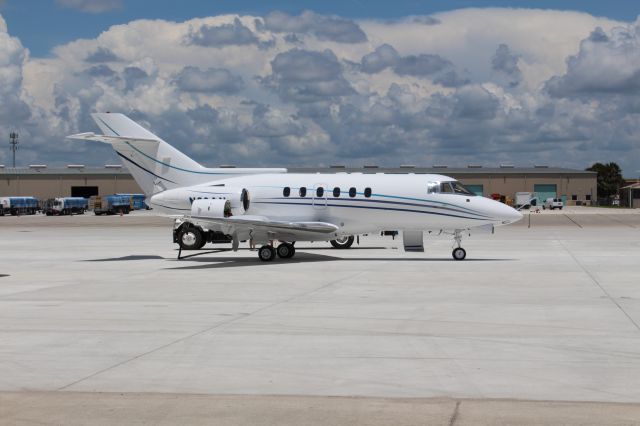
343,242
191,238
267,253
458,253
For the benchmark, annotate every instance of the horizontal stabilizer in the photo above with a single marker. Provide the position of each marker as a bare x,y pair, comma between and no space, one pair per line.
90,136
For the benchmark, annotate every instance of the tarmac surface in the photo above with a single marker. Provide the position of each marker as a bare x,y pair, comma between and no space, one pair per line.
101,323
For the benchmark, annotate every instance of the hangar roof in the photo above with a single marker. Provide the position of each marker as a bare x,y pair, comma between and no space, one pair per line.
471,170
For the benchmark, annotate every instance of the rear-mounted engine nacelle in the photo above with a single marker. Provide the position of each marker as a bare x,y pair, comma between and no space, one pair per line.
240,200
216,208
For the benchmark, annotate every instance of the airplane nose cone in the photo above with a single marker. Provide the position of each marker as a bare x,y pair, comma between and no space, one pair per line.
510,215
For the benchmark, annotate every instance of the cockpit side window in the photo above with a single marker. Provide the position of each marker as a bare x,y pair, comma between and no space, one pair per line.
433,187
460,189
445,188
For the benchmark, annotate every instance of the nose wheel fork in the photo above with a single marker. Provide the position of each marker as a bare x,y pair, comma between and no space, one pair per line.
458,253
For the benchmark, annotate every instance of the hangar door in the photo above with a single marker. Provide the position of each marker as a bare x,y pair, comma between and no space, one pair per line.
545,190
84,191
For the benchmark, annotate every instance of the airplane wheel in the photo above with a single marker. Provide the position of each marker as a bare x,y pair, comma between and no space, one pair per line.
266,253
191,239
459,253
286,250
343,242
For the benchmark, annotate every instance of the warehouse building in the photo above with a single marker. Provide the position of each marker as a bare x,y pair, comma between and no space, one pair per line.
575,187
71,181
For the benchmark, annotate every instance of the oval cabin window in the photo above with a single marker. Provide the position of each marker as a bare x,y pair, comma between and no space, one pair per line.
367,192
320,192
302,192
352,192
336,192
286,191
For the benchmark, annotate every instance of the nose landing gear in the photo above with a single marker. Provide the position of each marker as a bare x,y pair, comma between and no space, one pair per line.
458,253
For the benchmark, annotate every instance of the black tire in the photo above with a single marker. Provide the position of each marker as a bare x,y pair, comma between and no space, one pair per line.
459,253
559,208
286,251
190,238
266,253
343,243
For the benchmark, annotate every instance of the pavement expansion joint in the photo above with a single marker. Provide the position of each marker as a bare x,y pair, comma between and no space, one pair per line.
597,283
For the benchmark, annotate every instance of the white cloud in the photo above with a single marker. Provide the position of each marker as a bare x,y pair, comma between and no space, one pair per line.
419,90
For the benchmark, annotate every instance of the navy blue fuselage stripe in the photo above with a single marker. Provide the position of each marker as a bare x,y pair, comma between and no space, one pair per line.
373,208
370,200
139,166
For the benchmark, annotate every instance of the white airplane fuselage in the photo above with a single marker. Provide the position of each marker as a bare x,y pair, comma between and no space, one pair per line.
395,202
264,205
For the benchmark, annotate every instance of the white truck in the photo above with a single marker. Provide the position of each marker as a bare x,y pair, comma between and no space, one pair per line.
525,200
552,203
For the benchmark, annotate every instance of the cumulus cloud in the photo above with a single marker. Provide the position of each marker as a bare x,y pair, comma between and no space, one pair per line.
435,67
604,65
13,109
308,76
506,63
101,54
235,34
91,6
383,57
193,79
390,92
330,28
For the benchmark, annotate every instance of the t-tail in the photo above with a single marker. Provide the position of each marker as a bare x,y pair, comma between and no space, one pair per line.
154,164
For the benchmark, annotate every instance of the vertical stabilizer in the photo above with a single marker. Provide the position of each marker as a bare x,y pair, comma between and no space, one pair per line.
154,164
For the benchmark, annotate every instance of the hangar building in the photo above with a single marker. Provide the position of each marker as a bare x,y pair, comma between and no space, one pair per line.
576,187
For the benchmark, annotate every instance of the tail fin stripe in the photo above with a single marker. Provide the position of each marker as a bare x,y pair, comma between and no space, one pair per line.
146,170
177,168
109,127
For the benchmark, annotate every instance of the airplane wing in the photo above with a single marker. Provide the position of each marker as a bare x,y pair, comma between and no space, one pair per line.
262,227
263,223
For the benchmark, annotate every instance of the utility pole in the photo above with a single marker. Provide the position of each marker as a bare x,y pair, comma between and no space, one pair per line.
14,145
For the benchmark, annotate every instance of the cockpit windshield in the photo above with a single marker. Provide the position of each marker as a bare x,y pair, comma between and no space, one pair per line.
460,189
453,187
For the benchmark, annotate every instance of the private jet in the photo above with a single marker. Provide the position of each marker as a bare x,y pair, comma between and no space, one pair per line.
269,204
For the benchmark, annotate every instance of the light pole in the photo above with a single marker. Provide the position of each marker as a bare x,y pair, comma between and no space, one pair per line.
14,145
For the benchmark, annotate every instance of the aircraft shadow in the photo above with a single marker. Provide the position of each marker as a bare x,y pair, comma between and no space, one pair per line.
211,262
131,257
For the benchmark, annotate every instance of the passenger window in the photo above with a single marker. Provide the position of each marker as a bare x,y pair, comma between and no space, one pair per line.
302,192
352,192
286,191
336,192
367,192
319,192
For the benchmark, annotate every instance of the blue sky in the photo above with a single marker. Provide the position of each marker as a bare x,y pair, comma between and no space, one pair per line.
286,83
43,24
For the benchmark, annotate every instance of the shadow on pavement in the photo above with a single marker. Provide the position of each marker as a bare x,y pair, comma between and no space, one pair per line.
234,262
131,257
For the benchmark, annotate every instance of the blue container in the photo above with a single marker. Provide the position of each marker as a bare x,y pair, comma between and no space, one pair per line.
137,201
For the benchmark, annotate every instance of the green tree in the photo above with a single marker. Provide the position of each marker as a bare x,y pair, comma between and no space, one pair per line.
609,178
